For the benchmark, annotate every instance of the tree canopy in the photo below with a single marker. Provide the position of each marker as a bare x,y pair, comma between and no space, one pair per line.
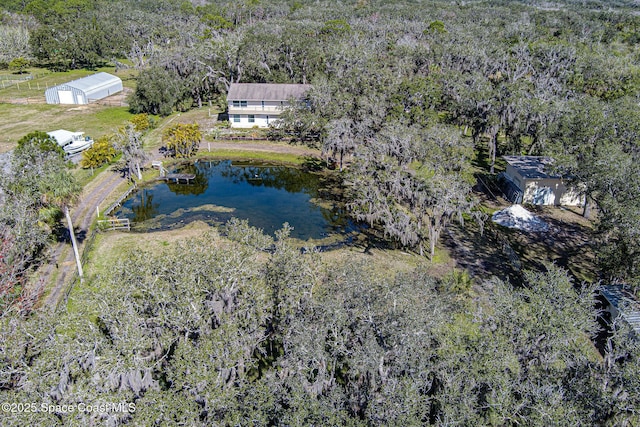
410,101
37,188
182,139
237,336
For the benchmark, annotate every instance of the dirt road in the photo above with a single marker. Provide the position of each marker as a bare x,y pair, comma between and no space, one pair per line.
61,259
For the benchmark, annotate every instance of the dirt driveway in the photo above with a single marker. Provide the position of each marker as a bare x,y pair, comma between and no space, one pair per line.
61,262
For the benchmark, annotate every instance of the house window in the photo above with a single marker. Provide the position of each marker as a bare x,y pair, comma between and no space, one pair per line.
236,103
252,118
236,118
239,103
243,103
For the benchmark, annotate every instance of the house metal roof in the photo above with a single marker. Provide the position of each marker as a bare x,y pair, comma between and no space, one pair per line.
531,167
625,303
94,82
266,91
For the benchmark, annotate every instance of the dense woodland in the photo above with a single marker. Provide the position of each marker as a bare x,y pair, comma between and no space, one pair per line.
409,99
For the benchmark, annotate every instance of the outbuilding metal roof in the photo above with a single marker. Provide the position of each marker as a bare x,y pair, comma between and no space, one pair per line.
531,167
94,82
625,303
266,91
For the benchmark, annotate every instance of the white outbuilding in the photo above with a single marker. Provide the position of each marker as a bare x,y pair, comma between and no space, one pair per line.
84,90
528,179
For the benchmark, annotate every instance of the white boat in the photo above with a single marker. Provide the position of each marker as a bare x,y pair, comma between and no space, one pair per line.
71,142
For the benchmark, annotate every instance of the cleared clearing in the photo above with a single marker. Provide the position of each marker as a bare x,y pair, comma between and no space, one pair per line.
94,120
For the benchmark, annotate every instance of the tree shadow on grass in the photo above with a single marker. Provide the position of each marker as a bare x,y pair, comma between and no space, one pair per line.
505,253
568,244
483,256
61,233
313,164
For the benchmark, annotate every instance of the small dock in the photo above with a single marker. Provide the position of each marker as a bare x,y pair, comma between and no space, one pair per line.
178,177
175,177
118,202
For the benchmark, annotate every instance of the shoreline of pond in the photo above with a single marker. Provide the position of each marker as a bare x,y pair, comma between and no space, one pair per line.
322,199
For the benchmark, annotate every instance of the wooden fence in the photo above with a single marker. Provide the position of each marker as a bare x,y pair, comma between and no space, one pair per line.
22,77
114,224
14,77
24,82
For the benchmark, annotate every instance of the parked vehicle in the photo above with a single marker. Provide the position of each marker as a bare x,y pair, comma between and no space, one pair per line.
71,142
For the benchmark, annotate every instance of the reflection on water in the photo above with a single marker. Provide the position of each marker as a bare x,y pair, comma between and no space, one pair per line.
265,195
143,207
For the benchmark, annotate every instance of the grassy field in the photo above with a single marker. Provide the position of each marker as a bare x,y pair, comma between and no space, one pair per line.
230,154
94,120
44,79
18,119
205,117
112,246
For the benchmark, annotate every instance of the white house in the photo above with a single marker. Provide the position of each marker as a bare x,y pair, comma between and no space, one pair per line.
84,90
527,180
259,104
71,142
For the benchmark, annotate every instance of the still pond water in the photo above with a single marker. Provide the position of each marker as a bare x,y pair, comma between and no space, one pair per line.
266,195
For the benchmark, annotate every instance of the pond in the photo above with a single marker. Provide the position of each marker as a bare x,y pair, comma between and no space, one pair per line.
265,195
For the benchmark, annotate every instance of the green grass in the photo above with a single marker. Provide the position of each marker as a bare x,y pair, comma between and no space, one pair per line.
153,139
106,120
115,195
18,119
95,120
44,79
291,159
441,256
85,176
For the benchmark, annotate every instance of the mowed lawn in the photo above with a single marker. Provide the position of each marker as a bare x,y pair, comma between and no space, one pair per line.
95,120
18,119
44,79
